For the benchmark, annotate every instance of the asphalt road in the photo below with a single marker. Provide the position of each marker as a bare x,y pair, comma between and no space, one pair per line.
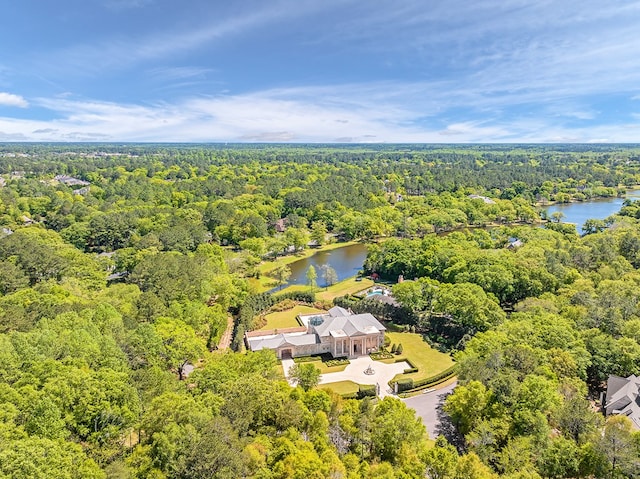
429,407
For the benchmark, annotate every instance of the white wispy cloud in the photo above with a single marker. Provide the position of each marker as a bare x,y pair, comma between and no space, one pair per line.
119,52
119,5
9,99
179,73
314,114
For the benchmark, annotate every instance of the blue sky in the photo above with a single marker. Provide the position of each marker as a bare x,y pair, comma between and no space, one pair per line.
320,71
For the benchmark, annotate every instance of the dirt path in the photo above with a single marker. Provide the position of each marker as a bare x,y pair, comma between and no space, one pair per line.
225,340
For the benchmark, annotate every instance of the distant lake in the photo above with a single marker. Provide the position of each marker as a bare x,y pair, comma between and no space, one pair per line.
347,261
598,209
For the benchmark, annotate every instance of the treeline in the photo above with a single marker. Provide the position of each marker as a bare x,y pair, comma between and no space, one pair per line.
529,376
115,295
176,197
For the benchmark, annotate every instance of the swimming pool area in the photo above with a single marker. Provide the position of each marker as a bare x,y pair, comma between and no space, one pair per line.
377,291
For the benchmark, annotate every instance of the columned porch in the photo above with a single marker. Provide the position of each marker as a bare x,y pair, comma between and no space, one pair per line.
355,347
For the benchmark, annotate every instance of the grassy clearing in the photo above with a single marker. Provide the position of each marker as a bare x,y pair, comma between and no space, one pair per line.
341,387
287,319
344,287
341,288
324,369
428,361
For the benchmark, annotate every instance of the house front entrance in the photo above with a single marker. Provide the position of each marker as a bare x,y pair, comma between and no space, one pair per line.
286,354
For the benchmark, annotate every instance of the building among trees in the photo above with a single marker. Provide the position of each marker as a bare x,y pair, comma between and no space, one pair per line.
338,332
623,398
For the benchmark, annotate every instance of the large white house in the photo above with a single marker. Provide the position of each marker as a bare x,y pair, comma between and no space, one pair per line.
338,332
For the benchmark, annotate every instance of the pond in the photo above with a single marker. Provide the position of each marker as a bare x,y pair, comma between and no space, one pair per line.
346,261
598,209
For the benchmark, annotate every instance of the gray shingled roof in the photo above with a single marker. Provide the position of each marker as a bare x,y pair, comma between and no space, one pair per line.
337,312
623,397
282,339
350,324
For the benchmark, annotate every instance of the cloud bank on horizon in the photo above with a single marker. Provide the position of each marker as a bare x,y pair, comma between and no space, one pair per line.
331,71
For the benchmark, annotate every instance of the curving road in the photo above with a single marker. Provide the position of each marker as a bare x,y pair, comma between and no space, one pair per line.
428,406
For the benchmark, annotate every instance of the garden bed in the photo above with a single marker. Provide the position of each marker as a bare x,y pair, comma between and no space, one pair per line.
380,355
336,362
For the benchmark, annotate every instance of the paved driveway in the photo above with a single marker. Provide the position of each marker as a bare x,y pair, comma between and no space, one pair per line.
383,373
428,406
286,365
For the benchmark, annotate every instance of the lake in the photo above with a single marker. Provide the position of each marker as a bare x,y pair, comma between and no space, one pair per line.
599,209
347,261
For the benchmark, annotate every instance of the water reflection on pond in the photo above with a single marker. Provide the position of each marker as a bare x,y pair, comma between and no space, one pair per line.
346,261
598,209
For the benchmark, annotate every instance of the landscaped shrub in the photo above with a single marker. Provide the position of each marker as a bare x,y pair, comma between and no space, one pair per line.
394,348
323,304
306,359
283,305
336,362
410,370
449,372
387,341
258,322
399,349
404,384
365,390
377,356
302,296
407,360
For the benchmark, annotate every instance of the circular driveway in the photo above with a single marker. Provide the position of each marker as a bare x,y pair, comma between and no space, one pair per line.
383,373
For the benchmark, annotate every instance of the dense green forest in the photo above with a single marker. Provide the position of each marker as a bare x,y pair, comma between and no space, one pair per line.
122,264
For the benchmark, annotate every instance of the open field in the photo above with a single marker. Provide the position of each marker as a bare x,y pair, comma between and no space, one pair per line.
287,319
420,354
341,387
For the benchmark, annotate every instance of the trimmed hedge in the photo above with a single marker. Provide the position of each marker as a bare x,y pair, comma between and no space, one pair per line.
404,384
336,362
410,370
437,377
377,356
411,365
302,296
307,359
408,384
365,390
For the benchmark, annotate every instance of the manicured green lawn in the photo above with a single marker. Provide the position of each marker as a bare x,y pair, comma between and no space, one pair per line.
347,286
287,319
420,354
341,387
324,369
341,288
